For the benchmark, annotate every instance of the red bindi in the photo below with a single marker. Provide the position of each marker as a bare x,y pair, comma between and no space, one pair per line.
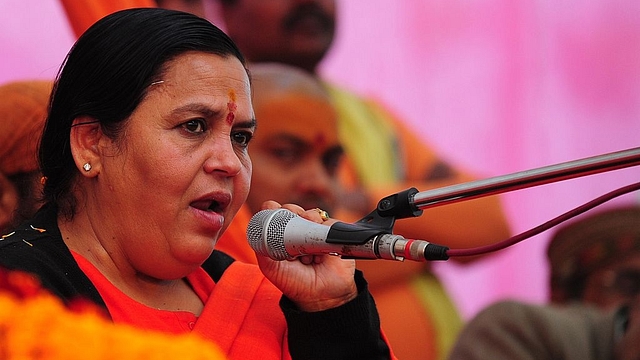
321,139
230,117
232,107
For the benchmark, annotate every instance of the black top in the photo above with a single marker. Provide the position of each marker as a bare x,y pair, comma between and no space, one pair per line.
350,331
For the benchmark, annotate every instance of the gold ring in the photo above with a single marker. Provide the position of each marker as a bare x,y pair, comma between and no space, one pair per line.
323,214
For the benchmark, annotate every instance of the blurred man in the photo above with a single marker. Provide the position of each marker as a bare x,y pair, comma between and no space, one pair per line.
595,299
596,260
296,155
382,156
23,109
385,156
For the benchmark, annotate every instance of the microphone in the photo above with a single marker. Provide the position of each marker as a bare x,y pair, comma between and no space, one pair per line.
282,235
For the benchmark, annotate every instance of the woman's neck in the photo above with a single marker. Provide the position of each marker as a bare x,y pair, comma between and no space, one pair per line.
108,258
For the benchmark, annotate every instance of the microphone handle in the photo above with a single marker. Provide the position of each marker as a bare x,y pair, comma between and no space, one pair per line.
383,246
378,247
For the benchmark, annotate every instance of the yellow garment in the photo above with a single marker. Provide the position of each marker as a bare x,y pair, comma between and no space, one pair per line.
367,136
464,224
445,317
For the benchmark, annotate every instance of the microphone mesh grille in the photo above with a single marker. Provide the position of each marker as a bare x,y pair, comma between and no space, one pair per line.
275,234
265,233
254,231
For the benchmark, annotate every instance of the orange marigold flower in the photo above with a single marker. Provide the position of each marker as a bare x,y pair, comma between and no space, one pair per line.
36,325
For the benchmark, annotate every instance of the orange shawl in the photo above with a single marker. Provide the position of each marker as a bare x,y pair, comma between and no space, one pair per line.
83,13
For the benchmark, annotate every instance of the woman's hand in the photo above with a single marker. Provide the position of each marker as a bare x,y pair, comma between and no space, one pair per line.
312,282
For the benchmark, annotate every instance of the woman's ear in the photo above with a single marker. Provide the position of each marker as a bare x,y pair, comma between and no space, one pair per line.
84,139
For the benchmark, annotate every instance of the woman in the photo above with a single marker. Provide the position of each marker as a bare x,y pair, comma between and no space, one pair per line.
144,155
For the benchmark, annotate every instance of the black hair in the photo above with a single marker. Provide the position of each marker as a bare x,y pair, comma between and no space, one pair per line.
105,76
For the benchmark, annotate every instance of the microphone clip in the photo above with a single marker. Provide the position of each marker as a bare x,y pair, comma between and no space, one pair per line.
399,206
379,221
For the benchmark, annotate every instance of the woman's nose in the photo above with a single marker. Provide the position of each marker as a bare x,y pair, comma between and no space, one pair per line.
225,159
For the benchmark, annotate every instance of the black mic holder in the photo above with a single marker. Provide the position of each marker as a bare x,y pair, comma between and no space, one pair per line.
379,221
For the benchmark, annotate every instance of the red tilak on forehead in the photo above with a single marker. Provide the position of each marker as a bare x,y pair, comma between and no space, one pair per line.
321,139
232,106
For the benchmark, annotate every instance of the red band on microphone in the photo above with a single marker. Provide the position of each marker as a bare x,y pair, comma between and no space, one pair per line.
407,249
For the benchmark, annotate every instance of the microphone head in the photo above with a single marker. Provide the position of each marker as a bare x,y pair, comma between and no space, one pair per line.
265,233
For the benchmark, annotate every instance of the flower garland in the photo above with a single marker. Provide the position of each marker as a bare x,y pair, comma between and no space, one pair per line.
36,325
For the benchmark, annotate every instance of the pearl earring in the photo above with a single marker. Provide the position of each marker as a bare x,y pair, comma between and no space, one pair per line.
86,167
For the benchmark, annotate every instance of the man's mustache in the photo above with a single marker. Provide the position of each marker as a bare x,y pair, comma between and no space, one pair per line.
303,11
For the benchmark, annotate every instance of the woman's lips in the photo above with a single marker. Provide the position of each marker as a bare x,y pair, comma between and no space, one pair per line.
215,202
213,220
211,209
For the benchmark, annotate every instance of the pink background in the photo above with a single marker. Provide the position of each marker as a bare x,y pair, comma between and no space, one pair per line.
497,86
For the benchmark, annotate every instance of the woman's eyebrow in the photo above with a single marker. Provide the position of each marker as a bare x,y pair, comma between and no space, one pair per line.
202,109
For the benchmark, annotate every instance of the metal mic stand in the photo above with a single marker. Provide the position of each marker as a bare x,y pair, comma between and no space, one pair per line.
410,202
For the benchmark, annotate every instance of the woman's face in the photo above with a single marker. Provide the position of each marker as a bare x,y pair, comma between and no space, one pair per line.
180,171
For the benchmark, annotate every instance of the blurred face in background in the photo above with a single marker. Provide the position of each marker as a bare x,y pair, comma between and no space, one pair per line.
296,151
615,284
298,33
195,7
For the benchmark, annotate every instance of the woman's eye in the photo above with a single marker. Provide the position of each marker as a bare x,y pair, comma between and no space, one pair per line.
242,138
195,126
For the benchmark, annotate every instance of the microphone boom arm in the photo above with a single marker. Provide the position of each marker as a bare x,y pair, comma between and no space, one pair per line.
410,202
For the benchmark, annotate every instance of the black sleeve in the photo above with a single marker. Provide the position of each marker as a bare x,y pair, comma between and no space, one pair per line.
51,262
36,247
350,331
